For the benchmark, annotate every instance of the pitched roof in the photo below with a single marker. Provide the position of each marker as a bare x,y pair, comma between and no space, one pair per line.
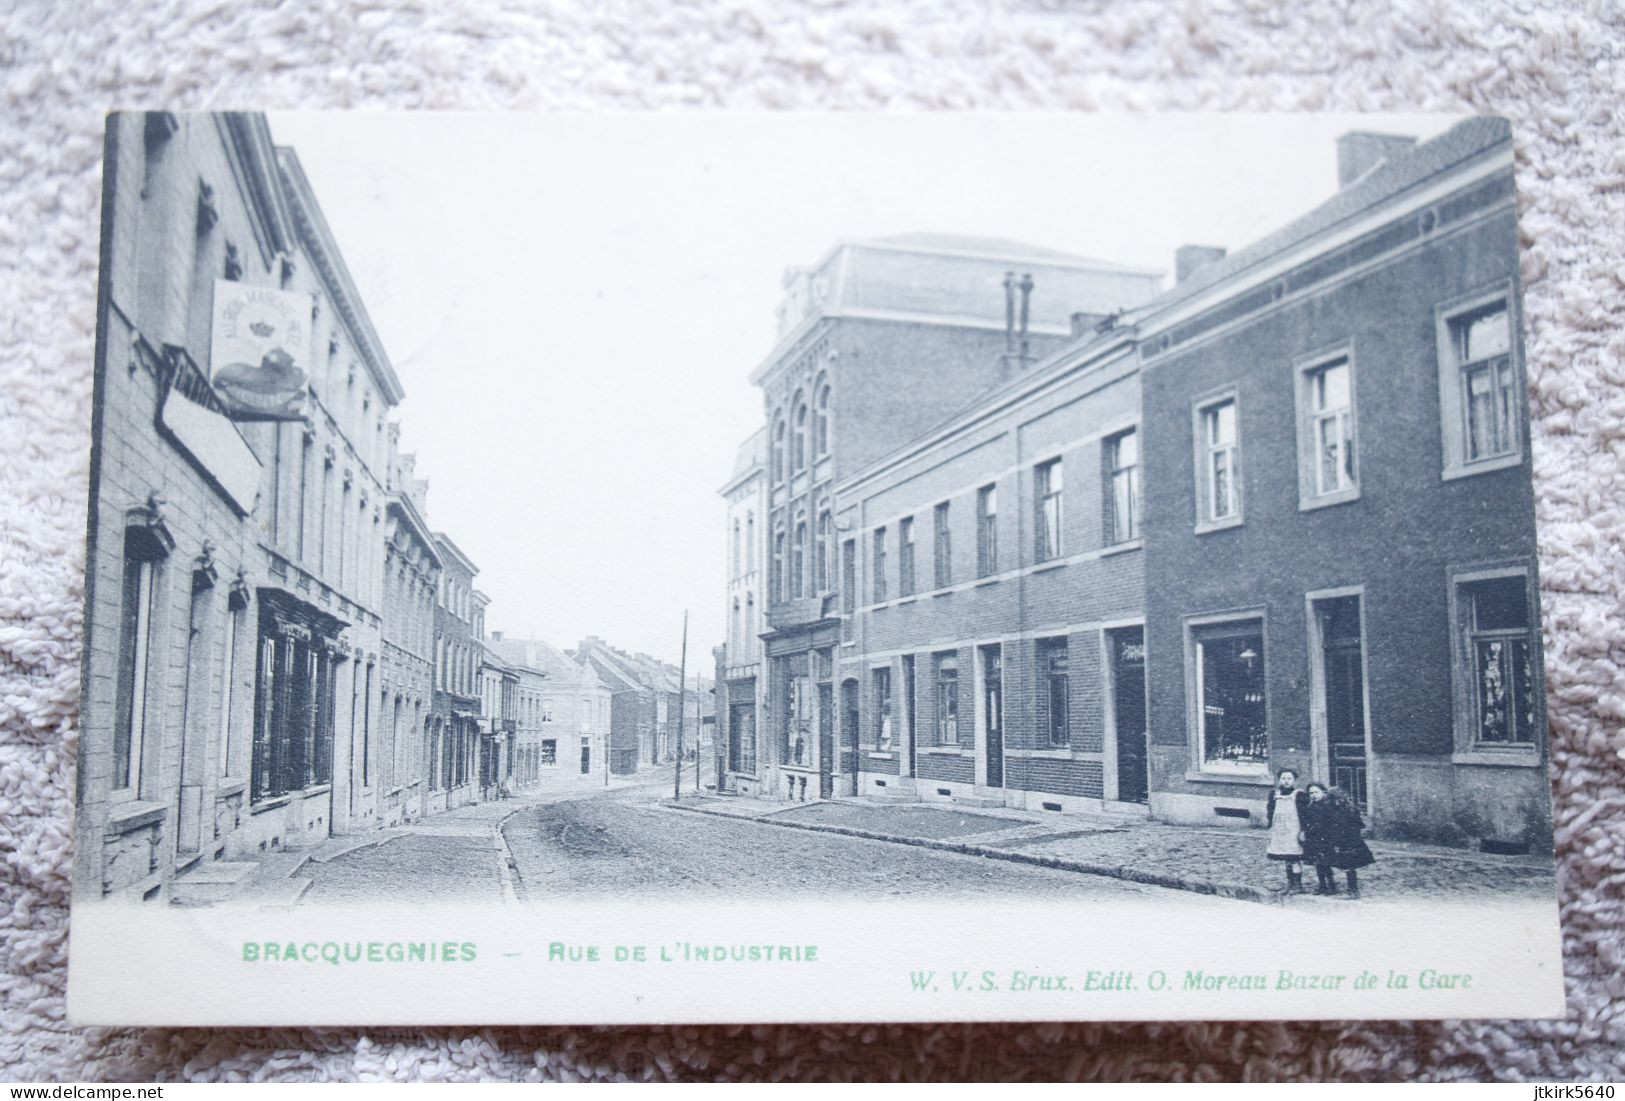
1389,179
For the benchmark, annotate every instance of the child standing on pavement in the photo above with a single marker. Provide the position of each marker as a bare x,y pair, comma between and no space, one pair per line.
1332,830
1284,818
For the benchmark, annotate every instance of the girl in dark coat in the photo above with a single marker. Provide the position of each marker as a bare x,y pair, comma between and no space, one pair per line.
1331,838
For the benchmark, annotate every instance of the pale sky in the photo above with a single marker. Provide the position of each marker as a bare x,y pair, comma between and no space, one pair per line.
574,302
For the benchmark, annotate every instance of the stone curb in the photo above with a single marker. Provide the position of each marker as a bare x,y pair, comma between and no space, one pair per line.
1238,891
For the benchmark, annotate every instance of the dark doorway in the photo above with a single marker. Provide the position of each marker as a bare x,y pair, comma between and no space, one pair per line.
826,740
1127,649
993,713
1343,694
910,737
586,757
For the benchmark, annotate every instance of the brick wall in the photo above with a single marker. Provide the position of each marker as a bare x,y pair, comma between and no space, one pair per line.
1398,539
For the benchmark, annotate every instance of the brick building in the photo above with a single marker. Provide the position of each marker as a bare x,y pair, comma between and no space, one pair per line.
999,557
878,342
1278,516
411,580
454,726
1340,537
499,722
235,580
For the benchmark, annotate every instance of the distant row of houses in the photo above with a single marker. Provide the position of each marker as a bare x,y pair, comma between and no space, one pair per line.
1031,530
280,648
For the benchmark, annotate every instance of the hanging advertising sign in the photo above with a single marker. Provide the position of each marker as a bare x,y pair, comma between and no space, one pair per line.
259,355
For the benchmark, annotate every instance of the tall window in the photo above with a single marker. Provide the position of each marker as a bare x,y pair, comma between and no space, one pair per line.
1331,427
879,545
849,586
1498,643
1220,462
750,541
821,421
737,623
883,708
304,493
947,699
1047,522
228,682
776,582
750,623
905,556
798,560
822,551
735,551
1123,487
135,649
798,438
1231,713
776,461
1482,343
942,537
1055,698
987,531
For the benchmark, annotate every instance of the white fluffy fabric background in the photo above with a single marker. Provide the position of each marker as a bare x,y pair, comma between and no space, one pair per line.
1554,68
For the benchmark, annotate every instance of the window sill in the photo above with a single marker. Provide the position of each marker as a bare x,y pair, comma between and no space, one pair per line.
1124,547
940,593
984,582
1049,564
907,600
1482,466
133,816
1327,500
946,751
1050,753
1499,758
1226,524
1256,779
883,754
270,804
228,788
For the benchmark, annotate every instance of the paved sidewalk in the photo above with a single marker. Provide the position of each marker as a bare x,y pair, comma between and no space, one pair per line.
1228,862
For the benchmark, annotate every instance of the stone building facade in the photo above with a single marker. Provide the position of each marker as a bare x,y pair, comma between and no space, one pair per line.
234,590
570,723
739,659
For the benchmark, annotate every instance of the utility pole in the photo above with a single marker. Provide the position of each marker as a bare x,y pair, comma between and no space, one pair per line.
682,702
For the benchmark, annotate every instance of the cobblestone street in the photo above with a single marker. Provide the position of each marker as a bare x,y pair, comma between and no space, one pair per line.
625,847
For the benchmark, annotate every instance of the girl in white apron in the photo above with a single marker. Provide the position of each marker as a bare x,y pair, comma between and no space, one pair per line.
1285,823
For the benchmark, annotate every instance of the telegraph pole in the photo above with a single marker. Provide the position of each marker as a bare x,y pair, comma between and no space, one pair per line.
682,703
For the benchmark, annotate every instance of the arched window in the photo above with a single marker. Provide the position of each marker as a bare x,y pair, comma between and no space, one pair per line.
798,560
821,553
776,467
821,420
736,549
798,437
737,631
750,541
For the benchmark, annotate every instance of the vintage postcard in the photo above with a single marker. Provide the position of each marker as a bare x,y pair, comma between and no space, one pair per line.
728,568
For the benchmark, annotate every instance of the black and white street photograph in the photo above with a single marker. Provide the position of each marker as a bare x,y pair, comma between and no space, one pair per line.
513,512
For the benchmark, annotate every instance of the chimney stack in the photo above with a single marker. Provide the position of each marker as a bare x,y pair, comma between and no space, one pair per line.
1359,151
496,636
1190,259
